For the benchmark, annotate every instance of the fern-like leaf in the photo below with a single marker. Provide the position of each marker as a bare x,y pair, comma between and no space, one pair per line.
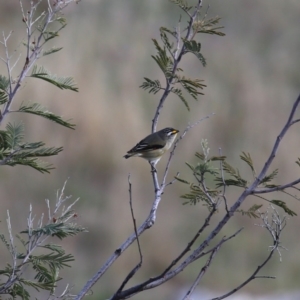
183,4
14,135
282,204
3,97
51,51
192,86
252,211
208,26
247,158
153,86
5,241
163,60
34,163
60,82
181,180
4,83
165,39
269,178
194,47
39,110
178,92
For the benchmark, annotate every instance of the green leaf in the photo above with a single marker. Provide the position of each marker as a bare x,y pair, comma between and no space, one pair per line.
49,34
53,259
269,178
23,242
14,135
41,152
217,158
230,182
181,180
164,29
163,60
3,140
15,152
51,51
208,26
41,111
34,163
60,230
282,204
4,83
18,290
229,169
3,97
60,82
252,211
46,285
194,47
5,242
153,86
183,4
201,156
192,86
178,92
247,158
165,38
55,248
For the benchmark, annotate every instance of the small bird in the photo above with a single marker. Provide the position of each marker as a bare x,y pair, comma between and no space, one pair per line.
153,146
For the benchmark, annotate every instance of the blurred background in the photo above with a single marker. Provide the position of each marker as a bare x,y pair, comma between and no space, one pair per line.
252,79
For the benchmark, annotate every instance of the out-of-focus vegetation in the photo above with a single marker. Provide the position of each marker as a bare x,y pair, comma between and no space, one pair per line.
252,78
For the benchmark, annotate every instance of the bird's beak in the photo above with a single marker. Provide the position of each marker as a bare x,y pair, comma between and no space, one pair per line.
175,131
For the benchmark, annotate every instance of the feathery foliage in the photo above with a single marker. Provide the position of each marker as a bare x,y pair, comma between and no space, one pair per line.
41,27
46,266
174,45
13,151
212,180
39,110
64,83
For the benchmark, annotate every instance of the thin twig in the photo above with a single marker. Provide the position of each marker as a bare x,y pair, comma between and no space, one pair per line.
165,276
201,273
276,188
138,266
223,181
190,126
275,230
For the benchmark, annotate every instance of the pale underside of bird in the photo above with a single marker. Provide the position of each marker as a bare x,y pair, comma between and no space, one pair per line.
153,146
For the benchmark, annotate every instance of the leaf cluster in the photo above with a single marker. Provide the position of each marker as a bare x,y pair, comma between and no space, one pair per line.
211,181
174,45
46,266
64,83
14,151
41,28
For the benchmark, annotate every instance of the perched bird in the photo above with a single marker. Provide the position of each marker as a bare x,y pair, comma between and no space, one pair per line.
153,146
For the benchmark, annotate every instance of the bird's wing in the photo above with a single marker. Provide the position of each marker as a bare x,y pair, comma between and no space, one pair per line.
142,146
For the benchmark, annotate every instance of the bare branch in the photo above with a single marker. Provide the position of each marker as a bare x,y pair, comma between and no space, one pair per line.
276,188
275,229
138,266
201,274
